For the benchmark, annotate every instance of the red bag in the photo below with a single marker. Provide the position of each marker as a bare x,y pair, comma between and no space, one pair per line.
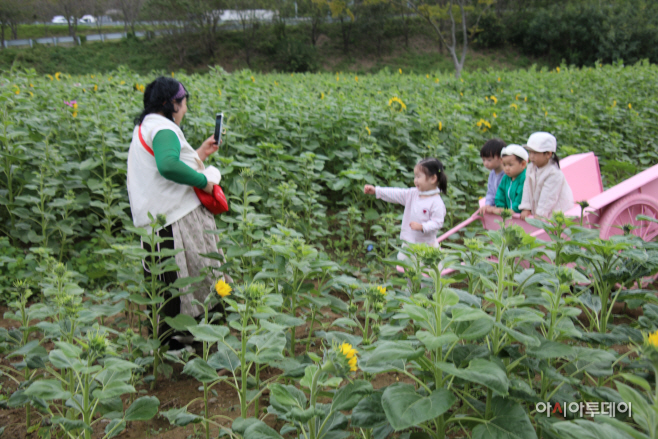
215,203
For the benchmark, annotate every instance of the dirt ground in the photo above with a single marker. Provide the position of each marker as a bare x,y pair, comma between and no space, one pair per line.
172,392
179,390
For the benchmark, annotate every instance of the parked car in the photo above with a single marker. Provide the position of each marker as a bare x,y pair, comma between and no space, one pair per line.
87,19
59,19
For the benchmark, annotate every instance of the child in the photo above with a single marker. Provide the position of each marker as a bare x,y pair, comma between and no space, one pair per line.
510,190
491,159
545,190
424,210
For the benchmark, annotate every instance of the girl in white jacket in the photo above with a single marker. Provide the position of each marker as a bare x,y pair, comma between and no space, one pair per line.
546,189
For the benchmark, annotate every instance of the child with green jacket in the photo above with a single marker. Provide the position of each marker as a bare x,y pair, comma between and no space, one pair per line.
510,190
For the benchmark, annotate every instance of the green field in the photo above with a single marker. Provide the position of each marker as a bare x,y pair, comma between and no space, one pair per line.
521,322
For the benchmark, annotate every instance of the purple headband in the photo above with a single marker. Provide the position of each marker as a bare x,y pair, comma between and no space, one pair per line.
181,92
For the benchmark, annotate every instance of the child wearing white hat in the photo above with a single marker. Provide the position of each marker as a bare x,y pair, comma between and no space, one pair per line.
546,189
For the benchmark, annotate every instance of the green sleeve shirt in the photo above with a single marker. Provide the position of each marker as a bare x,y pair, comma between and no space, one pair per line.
166,149
510,193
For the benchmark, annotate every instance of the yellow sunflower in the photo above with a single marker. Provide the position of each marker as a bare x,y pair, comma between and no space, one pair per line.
350,354
399,101
223,289
652,339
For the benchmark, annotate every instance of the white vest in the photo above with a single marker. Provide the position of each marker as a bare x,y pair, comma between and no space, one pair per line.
149,191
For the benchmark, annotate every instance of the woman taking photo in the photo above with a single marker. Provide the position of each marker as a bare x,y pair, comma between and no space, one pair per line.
163,170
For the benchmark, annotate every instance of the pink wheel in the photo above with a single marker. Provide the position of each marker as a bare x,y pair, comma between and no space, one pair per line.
624,211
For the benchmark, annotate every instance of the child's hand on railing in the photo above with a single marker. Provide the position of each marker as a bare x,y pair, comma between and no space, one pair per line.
525,214
490,209
369,189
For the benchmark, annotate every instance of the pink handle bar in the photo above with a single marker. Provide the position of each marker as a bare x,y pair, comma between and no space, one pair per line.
475,216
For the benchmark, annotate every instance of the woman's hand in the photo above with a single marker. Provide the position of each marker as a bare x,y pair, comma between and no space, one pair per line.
208,188
209,146
369,189
416,226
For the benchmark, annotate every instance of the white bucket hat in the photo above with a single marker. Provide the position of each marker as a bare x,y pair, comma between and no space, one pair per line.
541,142
516,150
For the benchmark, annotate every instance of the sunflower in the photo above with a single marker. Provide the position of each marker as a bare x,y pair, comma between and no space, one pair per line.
483,124
223,289
350,354
399,101
652,339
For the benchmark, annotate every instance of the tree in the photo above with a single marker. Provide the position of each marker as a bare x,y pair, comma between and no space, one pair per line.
407,15
249,16
130,10
206,16
341,11
12,12
456,12
373,18
43,11
317,11
97,9
173,14
72,10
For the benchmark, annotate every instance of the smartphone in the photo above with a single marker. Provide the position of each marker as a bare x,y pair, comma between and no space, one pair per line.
219,118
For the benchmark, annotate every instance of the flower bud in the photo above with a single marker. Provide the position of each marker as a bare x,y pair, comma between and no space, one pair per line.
161,219
60,270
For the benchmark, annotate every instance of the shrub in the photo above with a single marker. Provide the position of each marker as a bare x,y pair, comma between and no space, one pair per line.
585,33
293,55
491,32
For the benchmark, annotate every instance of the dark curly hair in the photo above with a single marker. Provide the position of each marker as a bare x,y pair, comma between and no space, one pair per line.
158,98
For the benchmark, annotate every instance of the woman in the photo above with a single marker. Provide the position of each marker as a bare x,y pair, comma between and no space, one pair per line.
162,170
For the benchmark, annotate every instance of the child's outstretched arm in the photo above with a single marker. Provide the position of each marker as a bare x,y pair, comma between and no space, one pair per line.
389,194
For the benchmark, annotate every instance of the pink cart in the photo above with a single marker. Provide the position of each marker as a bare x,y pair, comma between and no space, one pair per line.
608,210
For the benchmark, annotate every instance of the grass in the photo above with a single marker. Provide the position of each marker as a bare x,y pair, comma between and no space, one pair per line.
34,31
426,62
88,58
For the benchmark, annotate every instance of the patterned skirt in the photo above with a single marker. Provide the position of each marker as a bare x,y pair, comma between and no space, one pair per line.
188,234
